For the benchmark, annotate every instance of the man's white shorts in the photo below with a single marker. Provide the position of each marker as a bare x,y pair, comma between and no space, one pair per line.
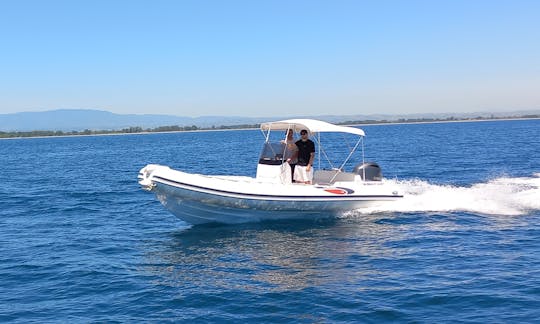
301,175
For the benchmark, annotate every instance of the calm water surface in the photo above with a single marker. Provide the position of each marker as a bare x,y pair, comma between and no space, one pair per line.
80,242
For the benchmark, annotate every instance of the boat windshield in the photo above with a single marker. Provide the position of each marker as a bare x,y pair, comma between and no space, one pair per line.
272,153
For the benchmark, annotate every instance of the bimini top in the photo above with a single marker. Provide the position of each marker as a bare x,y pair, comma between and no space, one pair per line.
311,125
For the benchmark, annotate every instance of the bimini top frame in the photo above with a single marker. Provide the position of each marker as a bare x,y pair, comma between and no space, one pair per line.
314,128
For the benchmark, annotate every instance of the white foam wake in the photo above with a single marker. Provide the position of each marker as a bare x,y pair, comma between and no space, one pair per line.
501,196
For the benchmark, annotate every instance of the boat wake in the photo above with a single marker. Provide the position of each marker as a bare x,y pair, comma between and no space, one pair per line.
500,196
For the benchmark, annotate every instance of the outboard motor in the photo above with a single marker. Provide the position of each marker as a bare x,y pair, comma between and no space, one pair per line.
369,171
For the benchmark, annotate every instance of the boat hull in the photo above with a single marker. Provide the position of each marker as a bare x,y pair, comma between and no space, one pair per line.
199,199
198,207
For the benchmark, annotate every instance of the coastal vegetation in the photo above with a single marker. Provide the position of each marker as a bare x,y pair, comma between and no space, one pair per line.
128,130
176,128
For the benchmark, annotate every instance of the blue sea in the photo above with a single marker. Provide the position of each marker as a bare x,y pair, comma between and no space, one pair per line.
81,242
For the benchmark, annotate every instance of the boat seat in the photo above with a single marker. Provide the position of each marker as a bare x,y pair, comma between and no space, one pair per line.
326,176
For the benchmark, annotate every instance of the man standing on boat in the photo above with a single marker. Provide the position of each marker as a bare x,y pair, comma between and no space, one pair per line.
306,154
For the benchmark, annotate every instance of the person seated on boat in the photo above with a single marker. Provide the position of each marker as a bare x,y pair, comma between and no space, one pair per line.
306,154
291,151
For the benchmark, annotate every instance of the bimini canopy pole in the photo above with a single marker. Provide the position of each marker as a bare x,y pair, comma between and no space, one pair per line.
266,134
351,153
319,150
363,158
285,141
363,161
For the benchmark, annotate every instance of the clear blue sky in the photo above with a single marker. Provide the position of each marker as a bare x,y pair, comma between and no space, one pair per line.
270,58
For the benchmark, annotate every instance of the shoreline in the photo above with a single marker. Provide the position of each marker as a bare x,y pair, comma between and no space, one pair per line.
135,133
254,128
448,121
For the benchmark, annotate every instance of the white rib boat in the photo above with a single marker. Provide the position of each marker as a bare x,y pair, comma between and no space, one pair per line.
271,194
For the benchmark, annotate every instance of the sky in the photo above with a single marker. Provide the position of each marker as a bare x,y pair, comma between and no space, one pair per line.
270,58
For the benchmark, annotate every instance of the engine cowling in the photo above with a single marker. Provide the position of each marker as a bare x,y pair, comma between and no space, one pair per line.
368,171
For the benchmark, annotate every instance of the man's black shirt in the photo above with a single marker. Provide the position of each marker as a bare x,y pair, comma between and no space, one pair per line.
304,151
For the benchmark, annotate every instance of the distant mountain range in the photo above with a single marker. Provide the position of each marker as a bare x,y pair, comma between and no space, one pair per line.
81,119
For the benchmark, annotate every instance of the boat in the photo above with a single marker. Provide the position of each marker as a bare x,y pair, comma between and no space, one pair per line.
272,194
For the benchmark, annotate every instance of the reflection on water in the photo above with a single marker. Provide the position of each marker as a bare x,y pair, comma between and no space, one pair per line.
279,256
294,255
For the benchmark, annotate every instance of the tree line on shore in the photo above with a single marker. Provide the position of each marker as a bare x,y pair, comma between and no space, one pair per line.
176,128
128,130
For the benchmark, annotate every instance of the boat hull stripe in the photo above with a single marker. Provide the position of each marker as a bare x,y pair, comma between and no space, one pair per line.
267,197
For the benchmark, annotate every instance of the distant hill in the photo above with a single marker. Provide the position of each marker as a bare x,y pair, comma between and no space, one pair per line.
81,119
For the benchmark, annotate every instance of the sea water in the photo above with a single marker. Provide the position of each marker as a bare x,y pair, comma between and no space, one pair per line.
81,242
